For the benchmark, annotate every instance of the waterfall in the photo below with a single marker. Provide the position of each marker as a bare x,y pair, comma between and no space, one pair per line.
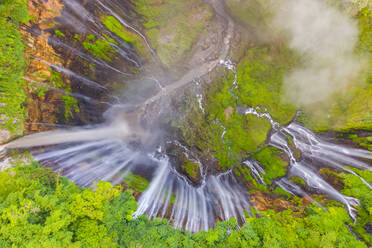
98,153
314,152
193,208
109,151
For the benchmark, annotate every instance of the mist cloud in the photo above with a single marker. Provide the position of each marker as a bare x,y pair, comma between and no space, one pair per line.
325,37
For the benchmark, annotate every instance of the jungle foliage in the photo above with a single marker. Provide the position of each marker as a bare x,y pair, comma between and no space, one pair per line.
12,64
258,84
39,208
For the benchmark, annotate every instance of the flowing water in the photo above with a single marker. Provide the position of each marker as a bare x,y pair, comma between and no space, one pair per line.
314,152
110,151
104,153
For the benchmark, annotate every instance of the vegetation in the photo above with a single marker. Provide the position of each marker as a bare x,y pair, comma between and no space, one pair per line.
191,169
350,109
363,141
100,48
59,33
117,28
136,182
253,14
13,66
259,84
41,209
71,104
269,158
352,185
173,26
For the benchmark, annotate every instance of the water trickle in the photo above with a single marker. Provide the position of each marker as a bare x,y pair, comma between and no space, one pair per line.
228,64
256,170
84,56
103,152
192,157
82,79
199,96
261,113
125,24
319,152
190,207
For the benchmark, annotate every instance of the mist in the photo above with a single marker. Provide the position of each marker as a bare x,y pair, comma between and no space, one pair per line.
325,39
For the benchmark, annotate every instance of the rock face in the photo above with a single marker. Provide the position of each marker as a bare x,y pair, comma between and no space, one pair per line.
263,202
45,101
4,136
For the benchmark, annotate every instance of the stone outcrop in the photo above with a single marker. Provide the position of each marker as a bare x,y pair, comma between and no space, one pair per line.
45,102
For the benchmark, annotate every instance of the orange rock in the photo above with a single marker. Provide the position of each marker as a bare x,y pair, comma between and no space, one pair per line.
40,54
228,111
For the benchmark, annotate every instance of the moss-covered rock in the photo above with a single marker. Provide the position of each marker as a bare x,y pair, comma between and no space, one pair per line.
173,26
99,48
127,35
259,84
254,14
13,66
192,170
136,182
272,161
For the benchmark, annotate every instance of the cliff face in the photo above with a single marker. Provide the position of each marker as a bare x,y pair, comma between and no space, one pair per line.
44,97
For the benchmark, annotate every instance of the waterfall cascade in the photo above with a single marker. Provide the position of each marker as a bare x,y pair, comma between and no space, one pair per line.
106,151
86,156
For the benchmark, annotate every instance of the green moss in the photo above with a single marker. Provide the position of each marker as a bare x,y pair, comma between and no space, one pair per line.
158,13
297,180
173,26
71,104
253,14
100,48
13,65
364,141
136,182
260,77
77,37
115,26
243,133
40,90
282,192
91,37
270,159
355,187
192,170
296,152
59,33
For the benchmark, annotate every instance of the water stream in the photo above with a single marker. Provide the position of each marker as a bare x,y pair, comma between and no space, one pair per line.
103,153
108,152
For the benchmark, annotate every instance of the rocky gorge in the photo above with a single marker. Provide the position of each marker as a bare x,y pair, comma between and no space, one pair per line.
218,117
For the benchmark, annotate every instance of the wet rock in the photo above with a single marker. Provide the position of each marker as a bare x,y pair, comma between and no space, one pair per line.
263,202
228,111
41,54
4,136
184,162
5,164
3,119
